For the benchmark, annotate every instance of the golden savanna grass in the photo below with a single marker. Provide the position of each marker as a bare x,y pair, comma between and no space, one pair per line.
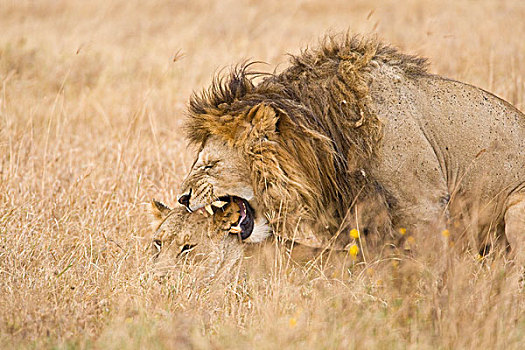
92,100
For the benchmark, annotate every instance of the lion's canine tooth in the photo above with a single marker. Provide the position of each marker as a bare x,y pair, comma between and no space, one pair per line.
235,229
219,204
209,209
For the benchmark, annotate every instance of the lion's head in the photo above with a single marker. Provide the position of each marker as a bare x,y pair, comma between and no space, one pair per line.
221,176
276,170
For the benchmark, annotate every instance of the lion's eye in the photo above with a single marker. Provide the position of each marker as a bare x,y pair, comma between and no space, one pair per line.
209,165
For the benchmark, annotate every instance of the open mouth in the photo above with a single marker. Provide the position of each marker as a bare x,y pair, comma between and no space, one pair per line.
238,213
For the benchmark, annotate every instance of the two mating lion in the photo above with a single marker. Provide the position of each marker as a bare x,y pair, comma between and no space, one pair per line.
352,134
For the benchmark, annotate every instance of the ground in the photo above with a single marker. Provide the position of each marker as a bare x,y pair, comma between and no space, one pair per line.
92,101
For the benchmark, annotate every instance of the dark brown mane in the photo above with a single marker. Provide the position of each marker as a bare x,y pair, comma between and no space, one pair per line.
224,91
312,65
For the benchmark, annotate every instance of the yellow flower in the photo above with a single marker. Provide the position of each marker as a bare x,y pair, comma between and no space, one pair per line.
293,322
353,250
445,233
409,243
354,233
402,231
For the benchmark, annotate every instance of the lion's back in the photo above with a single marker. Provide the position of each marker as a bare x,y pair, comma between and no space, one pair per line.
447,134
480,136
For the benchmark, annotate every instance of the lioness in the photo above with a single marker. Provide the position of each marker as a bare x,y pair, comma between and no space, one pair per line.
355,121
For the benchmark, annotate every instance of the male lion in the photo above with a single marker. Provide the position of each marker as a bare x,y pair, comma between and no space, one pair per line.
351,129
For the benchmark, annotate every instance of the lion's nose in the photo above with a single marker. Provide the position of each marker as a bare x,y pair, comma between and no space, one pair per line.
185,199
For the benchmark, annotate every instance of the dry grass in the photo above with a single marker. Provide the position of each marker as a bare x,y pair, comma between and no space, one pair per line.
91,103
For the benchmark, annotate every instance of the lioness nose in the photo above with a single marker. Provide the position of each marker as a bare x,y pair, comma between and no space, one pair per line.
185,199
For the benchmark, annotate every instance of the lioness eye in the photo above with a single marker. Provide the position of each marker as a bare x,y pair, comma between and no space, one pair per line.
157,244
187,247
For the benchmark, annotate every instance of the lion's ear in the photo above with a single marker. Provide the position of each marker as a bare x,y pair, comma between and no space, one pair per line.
158,212
264,118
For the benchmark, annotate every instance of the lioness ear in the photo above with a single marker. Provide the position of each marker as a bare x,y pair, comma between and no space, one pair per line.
158,212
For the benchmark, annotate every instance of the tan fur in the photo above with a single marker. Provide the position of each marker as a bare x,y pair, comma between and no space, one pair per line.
356,124
180,236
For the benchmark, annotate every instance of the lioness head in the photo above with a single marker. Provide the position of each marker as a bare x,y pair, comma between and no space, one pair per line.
180,236
221,177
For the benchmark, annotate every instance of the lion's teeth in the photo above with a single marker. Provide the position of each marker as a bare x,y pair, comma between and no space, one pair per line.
209,209
219,204
203,212
235,229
